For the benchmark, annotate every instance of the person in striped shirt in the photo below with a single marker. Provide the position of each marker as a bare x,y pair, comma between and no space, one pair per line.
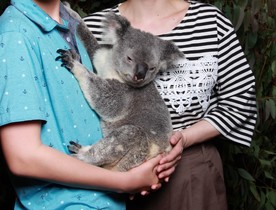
210,95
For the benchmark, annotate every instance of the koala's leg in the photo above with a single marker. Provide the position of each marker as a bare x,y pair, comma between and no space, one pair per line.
121,150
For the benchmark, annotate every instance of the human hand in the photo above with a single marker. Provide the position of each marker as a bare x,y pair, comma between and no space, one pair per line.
143,178
169,161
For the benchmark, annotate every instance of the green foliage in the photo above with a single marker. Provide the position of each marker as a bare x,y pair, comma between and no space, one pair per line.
250,173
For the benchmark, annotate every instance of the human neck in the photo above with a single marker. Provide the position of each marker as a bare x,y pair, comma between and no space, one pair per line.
51,7
155,16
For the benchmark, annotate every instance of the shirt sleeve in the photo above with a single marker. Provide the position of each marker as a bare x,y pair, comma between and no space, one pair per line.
235,113
21,98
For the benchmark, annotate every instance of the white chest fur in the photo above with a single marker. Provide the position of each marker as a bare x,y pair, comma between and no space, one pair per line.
102,62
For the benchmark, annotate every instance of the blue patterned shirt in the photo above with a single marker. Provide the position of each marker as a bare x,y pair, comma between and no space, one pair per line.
33,86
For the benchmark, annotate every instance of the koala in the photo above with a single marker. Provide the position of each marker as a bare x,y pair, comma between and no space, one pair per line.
135,121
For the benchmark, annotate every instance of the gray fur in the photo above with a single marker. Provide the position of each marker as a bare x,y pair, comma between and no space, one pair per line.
135,120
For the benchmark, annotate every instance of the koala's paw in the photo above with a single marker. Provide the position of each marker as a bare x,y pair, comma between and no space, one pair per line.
74,147
68,58
80,152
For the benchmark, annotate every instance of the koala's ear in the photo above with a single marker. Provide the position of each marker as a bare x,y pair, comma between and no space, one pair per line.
115,27
170,52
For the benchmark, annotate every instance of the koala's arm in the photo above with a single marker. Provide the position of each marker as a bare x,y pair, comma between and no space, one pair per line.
103,90
89,41
86,78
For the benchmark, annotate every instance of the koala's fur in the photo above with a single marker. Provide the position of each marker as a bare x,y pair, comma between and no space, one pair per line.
135,120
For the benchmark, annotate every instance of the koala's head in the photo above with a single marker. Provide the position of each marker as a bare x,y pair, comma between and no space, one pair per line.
138,56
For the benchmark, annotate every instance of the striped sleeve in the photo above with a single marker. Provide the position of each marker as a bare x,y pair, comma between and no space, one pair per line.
94,22
233,112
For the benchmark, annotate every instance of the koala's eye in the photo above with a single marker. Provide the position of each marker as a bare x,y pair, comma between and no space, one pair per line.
152,68
129,59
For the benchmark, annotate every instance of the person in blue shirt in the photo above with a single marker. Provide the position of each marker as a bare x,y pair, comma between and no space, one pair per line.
42,108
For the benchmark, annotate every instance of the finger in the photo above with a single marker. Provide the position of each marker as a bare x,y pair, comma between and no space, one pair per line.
144,193
153,188
167,173
174,155
168,165
176,137
156,186
155,161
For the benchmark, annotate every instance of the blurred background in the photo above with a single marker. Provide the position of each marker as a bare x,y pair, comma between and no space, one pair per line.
250,173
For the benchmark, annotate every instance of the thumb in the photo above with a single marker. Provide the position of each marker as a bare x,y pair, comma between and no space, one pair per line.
175,137
155,160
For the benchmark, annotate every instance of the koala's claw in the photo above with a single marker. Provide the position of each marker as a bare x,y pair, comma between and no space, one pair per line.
74,147
67,58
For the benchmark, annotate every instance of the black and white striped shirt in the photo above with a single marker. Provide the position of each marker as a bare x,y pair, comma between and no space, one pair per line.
214,82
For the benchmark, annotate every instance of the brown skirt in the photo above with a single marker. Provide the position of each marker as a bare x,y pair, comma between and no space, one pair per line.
197,184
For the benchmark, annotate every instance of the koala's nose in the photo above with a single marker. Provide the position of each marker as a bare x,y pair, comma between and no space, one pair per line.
140,71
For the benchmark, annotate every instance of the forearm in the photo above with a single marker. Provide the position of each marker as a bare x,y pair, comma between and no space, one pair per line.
199,132
49,164
27,156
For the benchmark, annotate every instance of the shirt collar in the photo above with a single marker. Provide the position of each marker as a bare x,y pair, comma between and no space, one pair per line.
41,18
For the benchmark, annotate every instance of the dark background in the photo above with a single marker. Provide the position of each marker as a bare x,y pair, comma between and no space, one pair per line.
249,172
